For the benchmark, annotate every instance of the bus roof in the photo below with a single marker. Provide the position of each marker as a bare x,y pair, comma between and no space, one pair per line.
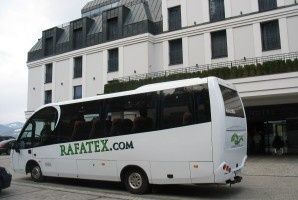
142,89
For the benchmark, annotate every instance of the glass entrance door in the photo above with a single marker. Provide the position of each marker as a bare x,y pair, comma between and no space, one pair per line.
275,129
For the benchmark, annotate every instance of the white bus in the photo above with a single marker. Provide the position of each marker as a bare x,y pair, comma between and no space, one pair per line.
181,132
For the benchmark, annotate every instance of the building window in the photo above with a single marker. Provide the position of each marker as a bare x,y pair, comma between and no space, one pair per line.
49,46
174,18
48,74
270,35
219,44
77,92
78,38
217,10
113,60
176,52
265,5
77,68
113,28
48,97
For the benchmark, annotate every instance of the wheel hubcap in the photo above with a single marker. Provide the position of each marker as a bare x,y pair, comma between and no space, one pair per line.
135,180
36,173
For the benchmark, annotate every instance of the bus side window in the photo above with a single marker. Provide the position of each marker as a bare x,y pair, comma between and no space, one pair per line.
132,114
177,108
201,96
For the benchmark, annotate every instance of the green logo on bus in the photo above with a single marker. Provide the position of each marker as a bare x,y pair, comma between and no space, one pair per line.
237,139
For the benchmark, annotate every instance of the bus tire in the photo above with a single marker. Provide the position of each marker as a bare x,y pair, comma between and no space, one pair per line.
36,174
136,181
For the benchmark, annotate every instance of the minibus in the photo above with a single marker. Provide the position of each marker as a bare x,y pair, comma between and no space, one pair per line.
189,131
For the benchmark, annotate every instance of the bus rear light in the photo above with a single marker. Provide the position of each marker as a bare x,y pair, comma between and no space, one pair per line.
225,167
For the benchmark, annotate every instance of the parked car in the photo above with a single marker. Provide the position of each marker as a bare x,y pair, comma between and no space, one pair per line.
2,138
5,179
5,146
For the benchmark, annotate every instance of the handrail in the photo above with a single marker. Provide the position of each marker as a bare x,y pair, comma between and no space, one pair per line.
197,68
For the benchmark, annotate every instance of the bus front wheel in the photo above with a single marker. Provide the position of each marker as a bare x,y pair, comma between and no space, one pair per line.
36,173
136,181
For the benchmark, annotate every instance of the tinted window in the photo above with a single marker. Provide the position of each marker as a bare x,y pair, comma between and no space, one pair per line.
113,28
174,18
265,5
113,60
39,129
49,46
233,105
217,10
48,97
176,53
78,38
78,121
202,103
185,106
270,35
48,75
219,44
131,114
77,92
77,70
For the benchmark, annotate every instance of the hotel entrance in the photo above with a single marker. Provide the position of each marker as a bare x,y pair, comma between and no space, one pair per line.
272,128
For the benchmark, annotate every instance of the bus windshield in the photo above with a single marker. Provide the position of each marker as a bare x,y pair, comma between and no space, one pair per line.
233,105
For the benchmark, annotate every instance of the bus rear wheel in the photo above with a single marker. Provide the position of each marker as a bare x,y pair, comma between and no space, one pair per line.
136,181
36,173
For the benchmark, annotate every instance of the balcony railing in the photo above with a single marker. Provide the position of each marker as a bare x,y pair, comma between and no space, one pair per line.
201,68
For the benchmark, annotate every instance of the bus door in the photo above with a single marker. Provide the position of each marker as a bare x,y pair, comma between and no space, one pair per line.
23,150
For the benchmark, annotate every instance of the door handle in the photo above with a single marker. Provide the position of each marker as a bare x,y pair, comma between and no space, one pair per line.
29,151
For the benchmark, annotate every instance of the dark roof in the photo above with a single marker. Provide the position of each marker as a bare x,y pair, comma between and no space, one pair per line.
97,4
146,14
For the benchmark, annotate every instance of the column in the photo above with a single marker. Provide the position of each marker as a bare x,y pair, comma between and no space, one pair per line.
185,52
257,39
84,76
165,15
104,68
166,55
207,47
205,9
228,11
70,92
54,93
284,39
230,43
254,5
42,91
121,62
280,3
184,13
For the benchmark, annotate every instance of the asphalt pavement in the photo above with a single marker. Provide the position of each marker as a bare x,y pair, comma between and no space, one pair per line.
263,178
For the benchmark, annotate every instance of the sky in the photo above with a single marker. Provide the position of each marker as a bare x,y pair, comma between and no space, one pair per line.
21,25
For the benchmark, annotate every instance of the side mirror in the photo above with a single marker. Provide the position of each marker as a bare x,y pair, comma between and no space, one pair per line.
16,146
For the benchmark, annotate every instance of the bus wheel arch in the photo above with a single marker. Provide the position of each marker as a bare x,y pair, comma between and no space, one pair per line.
131,172
34,169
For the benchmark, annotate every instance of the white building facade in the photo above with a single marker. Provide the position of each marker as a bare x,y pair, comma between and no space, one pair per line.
121,38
